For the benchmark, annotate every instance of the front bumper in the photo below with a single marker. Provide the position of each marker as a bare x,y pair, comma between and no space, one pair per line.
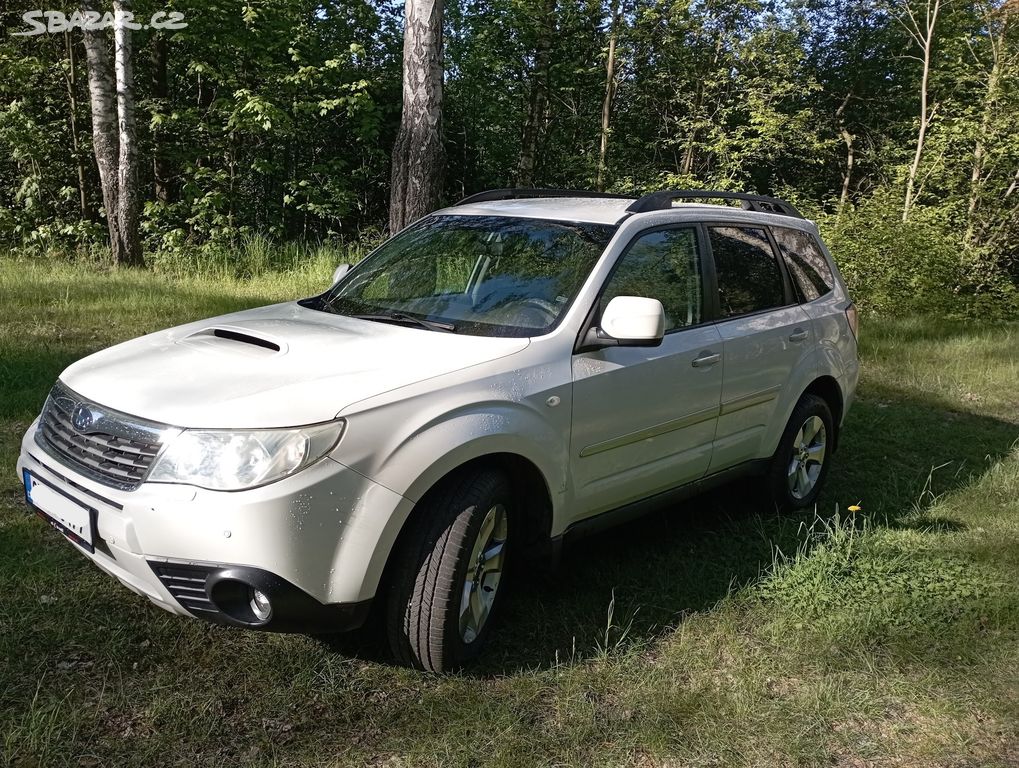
314,542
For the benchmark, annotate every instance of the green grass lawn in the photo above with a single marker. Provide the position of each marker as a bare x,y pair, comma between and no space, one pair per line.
714,634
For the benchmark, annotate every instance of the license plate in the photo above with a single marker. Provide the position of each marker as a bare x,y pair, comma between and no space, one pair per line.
68,515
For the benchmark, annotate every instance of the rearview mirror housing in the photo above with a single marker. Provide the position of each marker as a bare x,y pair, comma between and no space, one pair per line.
628,321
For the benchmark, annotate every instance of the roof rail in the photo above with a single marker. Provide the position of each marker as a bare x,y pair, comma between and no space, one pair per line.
658,201
514,193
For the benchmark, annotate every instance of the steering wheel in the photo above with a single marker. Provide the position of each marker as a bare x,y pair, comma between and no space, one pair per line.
541,310
525,313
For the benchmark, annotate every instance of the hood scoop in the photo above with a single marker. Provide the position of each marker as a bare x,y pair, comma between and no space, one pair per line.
241,340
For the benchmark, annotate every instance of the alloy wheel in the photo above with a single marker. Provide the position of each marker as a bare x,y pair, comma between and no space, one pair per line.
809,450
484,572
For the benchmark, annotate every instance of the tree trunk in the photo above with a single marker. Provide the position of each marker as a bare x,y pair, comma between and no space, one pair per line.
72,98
162,174
418,161
103,97
128,197
690,151
976,181
539,96
924,37
1012,187
606,107
848,138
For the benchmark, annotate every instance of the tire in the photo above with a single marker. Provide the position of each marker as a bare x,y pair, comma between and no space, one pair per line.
800,465
442,567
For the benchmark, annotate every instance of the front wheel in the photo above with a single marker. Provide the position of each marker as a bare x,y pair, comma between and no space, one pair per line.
800,464
449,578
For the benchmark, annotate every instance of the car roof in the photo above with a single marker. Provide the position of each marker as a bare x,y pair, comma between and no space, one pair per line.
612,211
594,210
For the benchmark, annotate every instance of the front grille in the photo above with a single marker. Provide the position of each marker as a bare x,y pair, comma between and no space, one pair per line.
186,582
109,447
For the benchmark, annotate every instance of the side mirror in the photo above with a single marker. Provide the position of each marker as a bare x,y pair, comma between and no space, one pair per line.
628,321
340,272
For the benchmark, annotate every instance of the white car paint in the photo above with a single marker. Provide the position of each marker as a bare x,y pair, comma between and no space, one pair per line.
603,427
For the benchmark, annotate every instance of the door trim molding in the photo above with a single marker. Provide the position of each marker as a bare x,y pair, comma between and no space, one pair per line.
653,431
748,401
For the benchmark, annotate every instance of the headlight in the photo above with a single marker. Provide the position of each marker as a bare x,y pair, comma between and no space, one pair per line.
230,460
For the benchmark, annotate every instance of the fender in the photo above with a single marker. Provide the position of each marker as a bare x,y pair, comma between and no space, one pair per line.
438,446
821,365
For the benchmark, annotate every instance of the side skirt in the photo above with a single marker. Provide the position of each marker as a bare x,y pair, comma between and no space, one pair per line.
637,509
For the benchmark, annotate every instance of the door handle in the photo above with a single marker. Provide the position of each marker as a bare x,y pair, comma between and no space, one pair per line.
798,335
705,359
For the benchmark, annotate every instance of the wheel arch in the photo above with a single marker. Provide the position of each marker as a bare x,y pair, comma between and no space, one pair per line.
828,389
535,512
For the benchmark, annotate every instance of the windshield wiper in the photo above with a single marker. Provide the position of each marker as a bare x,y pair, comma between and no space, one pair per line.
404,319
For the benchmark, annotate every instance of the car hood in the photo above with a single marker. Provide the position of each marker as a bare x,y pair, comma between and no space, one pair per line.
277,366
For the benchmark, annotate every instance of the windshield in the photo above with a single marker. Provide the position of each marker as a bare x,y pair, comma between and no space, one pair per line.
478,275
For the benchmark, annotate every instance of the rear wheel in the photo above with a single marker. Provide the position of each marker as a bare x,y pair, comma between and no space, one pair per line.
449,578
800,465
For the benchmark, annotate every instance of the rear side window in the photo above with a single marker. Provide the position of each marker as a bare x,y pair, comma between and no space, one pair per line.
661,265
806,262
749,278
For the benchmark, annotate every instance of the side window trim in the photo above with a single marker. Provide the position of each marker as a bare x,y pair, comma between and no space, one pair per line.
791,293
786,289
712,306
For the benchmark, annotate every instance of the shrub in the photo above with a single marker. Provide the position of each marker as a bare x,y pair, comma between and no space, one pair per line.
895,267
916,267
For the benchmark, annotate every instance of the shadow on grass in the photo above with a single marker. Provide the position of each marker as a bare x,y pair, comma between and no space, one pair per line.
894,459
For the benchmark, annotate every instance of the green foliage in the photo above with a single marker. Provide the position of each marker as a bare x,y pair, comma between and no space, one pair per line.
277,121
895,268
898,269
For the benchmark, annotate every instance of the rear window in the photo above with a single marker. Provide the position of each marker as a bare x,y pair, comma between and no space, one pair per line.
807,265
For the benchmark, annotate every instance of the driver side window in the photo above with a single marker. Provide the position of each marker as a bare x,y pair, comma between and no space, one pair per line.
662,265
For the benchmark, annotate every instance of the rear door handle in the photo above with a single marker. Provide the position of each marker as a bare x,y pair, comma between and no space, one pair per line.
705,359
798,335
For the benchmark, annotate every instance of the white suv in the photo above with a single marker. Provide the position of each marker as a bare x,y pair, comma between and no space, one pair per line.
504,374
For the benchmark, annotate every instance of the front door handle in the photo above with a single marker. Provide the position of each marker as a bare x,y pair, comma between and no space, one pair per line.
705,359
798,335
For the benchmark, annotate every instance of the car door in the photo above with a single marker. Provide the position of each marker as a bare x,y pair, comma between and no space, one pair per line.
765,336
644,417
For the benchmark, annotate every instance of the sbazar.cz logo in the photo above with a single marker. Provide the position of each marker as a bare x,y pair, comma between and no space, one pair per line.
53,22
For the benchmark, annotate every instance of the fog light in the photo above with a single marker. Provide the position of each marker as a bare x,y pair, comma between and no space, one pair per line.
260,605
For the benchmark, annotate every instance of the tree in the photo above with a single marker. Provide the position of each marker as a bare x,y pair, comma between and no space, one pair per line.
923,34
1003,63
610,91
544,31
418,158
111,89
128,192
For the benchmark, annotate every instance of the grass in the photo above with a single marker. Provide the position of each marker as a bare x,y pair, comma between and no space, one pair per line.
713,634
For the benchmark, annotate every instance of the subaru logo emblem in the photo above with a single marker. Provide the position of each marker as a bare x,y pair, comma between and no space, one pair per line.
82,417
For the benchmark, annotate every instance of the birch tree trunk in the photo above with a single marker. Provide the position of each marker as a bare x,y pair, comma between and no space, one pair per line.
418,161
539,96
923,35
128,193
606,107
103,98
